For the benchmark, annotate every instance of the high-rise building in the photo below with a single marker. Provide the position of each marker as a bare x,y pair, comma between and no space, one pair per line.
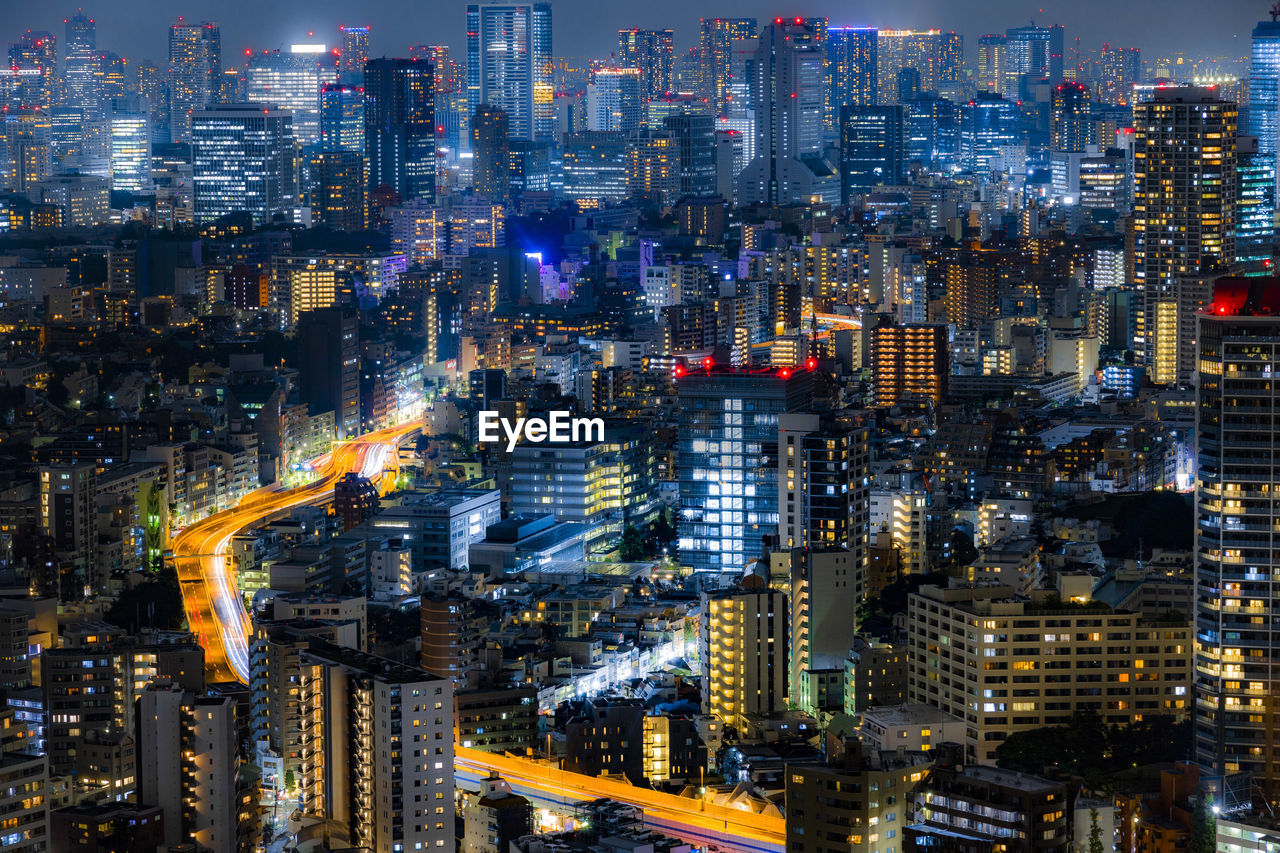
693,139
24,788
329,355
80,77
491,153
67,515
853,64
744,652
727,453
595,167
289,81
1255,205
988,124
33,70
399,127
1264,87
716,57
932,53
192,768
353,54
872,148
993,64
652,52
509,64
1070,121
359,765
28,138
614,100
1036,52
342,117
131,151
908,360
339,190
451,107
1121,69
242,161
1184,156
195,73
1234,667
788,167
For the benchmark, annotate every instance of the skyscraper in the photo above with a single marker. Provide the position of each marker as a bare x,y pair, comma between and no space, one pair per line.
909,361
930,52
716,56
1069,117
653,53
490,153
339,190
1238,353
993,64
33,62
1264,86
353,54
329,356
693,138
342,117
509,64
988,123
1121,69
289,81
788,167
614,100
131,151
399,126
79,70
1255,205
853,63
1035,51
728,453
1184,156
242,160
872,148
195,73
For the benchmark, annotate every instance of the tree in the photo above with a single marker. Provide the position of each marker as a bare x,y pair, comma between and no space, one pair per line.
1095,832
632,548
289,779
1204,827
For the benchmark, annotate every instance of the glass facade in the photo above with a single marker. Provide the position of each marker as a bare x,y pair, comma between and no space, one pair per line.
727,456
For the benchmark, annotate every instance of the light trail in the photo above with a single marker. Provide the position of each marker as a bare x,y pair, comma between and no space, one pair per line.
693,820
201,552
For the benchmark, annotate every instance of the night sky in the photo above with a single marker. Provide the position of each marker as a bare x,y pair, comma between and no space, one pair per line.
136,28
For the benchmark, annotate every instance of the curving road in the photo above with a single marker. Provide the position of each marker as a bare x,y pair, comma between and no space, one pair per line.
201,552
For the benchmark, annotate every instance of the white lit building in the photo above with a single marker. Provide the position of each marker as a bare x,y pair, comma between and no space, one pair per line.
242,160
131,152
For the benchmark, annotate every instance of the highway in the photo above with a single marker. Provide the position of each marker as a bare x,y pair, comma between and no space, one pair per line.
201,552
704,824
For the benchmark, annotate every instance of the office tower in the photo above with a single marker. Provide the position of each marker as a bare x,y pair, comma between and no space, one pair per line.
131,151
614,100
399,127
993,64
1184,155
651,167
342,117
1121,69
727,452
195,73
932,133
1035,51
872,148
33,62
329,355
339,190
359,766
67,517
853,64
24,788
1264,86
353,55
1255,205
595,167
909,361
191,768
529,168
930,52
716,55
1069,117
80,69
693,140
451,106
788,167
1234,664
744,653
652,52
509,64
490,153
242,161
289,81
1075,641
988,124
28,138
